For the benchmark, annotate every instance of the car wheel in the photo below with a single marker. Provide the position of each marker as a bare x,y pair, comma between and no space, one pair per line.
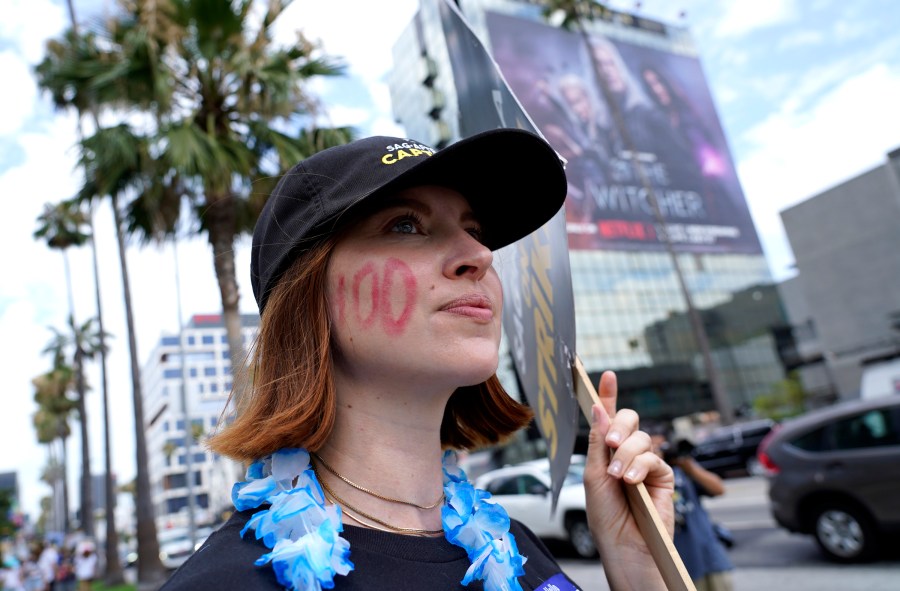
581,538
844,533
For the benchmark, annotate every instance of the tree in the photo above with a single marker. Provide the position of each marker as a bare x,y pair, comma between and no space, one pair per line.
61,226
51,422
220,96
83,343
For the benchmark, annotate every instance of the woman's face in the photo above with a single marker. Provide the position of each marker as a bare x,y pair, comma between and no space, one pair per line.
413,295
608,67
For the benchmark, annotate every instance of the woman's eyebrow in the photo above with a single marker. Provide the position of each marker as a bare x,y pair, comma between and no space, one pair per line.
404,202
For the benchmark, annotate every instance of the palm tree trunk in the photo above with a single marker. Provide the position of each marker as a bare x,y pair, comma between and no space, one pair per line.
114,575
65,483
151,572
220,218
87,504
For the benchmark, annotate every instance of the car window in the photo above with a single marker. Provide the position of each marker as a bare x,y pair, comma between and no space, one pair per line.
524,484
869,429
507,486
812,441
575,475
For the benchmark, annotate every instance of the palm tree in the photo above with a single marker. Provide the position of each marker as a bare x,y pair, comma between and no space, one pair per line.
82,344
61,226
114,575
221,97
51,422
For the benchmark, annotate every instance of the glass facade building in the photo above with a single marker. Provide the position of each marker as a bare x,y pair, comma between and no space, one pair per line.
632,315
195,364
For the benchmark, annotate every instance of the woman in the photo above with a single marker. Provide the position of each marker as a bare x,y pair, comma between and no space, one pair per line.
377,350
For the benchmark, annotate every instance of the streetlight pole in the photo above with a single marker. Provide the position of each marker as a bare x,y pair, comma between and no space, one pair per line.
188,427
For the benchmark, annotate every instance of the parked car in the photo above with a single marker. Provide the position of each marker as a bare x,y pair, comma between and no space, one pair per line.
732,450
835,474
524,491
175,545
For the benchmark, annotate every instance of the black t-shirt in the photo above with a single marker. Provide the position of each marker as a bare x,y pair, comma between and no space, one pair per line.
382,562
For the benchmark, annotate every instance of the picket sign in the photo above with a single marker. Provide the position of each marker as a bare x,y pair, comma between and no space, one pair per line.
666,557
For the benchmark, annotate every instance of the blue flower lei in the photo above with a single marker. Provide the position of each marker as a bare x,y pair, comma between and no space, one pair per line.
303,534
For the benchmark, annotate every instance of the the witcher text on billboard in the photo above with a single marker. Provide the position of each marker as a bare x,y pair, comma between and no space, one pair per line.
645,149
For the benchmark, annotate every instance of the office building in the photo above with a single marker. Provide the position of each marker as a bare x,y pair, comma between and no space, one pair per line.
651,183
845,299
196,368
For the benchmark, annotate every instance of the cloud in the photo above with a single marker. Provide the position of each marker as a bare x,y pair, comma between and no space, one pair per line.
364,38
795,154
740,18
801,39
26,24
17,101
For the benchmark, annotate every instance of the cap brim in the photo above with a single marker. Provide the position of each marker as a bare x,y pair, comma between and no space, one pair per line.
514,181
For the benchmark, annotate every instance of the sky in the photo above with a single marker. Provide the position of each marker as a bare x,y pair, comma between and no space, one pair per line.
806,90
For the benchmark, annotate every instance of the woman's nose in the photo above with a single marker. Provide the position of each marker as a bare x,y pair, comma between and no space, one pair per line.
468,257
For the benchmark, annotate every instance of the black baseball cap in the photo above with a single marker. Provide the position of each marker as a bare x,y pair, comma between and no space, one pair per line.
514,182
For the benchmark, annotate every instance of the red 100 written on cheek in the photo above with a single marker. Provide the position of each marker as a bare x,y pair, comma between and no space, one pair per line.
382,295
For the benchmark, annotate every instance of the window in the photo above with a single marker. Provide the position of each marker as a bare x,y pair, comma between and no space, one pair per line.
192,340
209,371
172,373
169,341
193,372
208,339
524,484
870,429
812,441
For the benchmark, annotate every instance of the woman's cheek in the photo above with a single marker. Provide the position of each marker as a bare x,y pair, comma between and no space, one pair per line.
375,296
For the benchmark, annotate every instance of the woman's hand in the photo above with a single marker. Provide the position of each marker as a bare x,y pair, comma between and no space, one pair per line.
618,451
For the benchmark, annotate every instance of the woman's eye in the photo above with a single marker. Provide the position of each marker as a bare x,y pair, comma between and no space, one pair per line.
406,225
476,233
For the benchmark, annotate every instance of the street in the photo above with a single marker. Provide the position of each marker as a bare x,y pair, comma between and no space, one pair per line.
766,557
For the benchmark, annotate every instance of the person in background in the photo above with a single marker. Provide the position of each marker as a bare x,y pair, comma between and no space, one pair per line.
32,578
85,567
48,561
701,549
11,573
65,572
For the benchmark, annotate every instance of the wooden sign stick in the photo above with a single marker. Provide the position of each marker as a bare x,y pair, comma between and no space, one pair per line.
667,559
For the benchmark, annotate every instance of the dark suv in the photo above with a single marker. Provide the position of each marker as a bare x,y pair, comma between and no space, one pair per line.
835,473
732,450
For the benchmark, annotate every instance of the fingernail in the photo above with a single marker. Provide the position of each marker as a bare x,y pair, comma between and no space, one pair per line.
631,474
615,468
614,437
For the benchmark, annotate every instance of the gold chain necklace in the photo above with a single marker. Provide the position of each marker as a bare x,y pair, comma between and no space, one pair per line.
403,530
372,492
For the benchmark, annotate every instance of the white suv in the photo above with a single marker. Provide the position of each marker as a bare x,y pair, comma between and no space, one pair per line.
524,491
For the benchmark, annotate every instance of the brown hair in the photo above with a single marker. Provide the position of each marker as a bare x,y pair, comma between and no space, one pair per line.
288,395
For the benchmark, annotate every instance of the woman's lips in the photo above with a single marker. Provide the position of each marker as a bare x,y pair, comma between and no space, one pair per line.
474,306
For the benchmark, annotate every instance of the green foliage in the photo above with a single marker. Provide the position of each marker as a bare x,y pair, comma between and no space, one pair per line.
786,399
7,527
62,225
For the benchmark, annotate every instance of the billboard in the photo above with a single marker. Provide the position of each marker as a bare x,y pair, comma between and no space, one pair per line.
646,152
